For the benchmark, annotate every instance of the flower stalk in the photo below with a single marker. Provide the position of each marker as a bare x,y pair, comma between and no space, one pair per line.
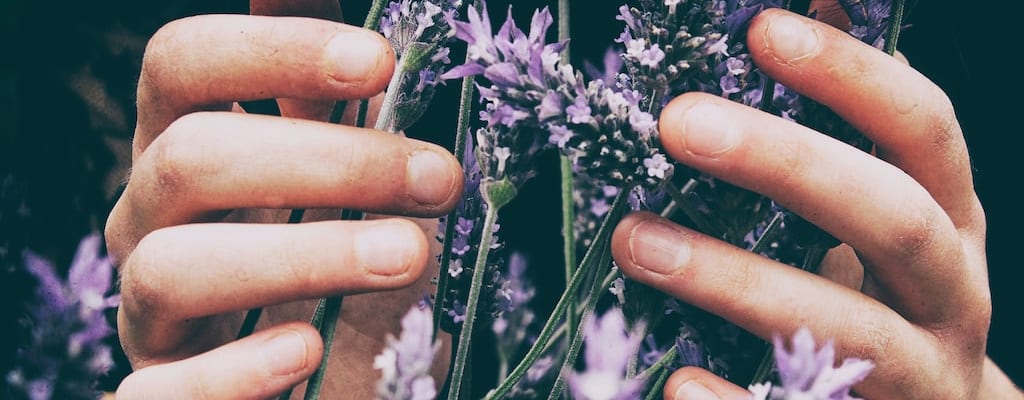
465,335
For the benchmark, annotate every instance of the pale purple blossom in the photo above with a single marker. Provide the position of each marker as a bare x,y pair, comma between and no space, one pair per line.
809,372
406,361
608,349
66,351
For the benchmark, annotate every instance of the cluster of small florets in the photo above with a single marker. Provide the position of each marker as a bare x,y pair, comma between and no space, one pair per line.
532,101
406,360
420,33
465,240
66,351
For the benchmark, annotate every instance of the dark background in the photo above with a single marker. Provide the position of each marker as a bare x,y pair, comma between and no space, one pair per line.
57,128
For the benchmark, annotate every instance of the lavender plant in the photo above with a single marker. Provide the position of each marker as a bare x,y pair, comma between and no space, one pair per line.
604,127
67,349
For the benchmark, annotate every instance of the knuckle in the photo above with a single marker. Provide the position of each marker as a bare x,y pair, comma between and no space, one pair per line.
915,234
173,160
143,278
159,52
941,119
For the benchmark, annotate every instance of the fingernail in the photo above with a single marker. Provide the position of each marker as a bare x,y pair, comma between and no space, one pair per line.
431,177
285,353
709,130
791,40
382,248
353,56
658,247
693,390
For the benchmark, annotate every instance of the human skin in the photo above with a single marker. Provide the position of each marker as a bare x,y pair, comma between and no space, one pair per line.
909,286
199,235
194,172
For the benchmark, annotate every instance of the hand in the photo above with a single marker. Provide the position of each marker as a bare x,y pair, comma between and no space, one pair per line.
913,228
190,258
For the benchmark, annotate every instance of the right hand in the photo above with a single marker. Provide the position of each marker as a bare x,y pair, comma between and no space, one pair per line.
184,234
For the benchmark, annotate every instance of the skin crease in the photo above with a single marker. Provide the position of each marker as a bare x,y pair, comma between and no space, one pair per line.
196,357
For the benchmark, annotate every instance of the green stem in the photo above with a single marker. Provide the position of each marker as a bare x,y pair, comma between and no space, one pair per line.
372,21
577,338
338,112
568,205
662,363
317,322
331,312
461,132
895,23
658,388
385,117
568,296
568,228
462,353
702,222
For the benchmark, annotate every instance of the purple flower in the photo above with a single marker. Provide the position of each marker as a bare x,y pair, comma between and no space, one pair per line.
807,372
870,19
608,350
66,351
579,111
419,31
405,361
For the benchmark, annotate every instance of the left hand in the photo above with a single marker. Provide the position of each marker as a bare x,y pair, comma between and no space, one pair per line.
920,307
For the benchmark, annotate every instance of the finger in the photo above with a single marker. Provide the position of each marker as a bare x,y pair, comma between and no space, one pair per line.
260,366
323,9
909,118
219,268
907,241
767,298
251,58
691,383
209,162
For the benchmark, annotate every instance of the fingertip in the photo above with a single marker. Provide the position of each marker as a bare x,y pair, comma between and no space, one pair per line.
434,178
359,60
780,37
693,383
700,127
395,249
291,350
648,247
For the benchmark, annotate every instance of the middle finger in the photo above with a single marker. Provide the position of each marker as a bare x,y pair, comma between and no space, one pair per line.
212,162
910,244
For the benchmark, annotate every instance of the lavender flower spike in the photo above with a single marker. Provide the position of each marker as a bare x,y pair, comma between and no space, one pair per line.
809,373
405,362
608,350
66,351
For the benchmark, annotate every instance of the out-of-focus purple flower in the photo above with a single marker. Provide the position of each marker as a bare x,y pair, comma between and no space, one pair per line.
608,349
405,361
869,19
608,73
808,372
66,352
